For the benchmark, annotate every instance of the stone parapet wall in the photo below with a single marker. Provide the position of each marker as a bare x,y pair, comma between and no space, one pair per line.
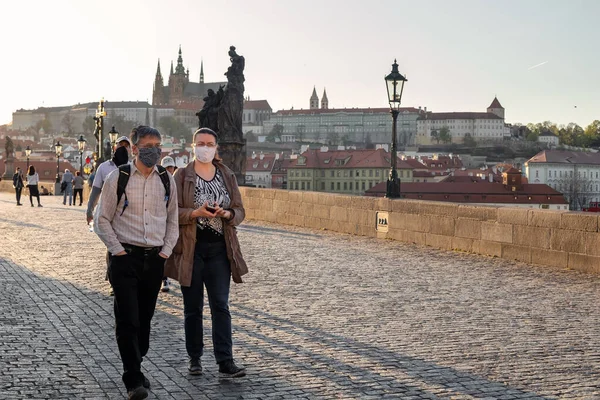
563,239
6,186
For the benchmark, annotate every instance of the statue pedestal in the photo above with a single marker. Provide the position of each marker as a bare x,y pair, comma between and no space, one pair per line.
9,168
234,156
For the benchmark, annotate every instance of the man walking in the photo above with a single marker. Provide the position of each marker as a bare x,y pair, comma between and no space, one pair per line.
67,183
18,185
120,157
139,229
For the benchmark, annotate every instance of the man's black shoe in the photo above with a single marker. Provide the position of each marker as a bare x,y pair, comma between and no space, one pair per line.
229,369
138,393
146,383
195,367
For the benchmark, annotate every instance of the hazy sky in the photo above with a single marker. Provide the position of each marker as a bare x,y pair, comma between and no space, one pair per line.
457,54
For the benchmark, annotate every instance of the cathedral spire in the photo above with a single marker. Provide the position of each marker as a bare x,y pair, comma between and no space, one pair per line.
158,73
171,68
201,71
324,100
314,99
180,69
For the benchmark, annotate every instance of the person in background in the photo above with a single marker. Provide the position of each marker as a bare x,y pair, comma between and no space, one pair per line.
140,232
33,180
208,253
120,157
169,164
18,185
67,182
78,188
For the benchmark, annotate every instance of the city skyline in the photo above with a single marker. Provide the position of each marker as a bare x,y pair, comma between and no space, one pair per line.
537,57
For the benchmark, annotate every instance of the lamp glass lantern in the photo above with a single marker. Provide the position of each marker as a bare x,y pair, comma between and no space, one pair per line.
113,135
58,148
395,85
27,151
81,142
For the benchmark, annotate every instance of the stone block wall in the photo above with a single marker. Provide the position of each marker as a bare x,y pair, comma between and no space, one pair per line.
563,239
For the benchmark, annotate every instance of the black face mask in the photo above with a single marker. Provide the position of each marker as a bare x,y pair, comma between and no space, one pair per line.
121,156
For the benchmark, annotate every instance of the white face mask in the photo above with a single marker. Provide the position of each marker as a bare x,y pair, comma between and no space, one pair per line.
205,154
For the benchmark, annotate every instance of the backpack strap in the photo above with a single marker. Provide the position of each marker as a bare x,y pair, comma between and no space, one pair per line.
164,177
124,173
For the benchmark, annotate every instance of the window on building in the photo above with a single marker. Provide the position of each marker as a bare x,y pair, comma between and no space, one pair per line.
339,174
295,185
549,174
570,174
363,186
350,185
307,185
332,187
376,172
332,173
323,174
364,173
323,186
537,174
345,185
303,186
338,186
357,173
401,174
370,173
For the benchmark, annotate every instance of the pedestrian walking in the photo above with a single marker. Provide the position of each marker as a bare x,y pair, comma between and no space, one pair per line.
208,252
136,218
169,164
78,188
33,180
67,186
120,157
18,185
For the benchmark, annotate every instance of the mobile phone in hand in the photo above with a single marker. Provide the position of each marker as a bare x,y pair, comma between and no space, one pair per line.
210,209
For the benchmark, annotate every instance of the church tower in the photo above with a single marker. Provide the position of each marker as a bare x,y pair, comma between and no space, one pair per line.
314,100
201,71
324,101
496,108
158,91
177,81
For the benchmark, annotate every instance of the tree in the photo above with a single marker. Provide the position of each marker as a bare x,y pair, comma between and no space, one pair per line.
173,127
532,137
67,124
275,134
300,132
89,125
469,141
435,135
592,134
124,126
444,135
44,124
250,136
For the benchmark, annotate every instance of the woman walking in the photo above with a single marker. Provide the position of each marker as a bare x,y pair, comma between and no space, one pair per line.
78,188
208,252
32,184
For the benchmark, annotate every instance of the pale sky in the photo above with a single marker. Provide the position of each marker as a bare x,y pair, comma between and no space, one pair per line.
540,57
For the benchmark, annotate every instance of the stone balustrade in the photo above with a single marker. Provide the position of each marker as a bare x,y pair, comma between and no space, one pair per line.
563,239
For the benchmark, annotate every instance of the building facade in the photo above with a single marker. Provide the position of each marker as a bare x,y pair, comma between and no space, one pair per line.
344,125
486,126
255,113
575,174
342,171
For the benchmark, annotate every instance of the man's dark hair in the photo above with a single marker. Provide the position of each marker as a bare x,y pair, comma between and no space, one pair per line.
143,131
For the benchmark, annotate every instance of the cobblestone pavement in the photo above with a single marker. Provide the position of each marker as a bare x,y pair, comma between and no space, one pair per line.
321,316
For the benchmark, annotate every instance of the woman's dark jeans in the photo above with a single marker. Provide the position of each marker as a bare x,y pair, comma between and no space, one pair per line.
211,269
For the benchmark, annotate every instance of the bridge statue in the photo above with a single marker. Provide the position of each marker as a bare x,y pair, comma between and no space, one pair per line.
9,160
222,112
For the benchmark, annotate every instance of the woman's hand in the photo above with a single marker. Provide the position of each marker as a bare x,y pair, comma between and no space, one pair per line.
225,214
202,212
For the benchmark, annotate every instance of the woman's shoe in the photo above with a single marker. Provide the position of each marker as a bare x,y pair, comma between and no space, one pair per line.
39,205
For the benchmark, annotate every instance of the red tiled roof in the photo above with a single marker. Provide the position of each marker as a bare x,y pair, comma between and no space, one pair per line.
257,105
495,103
458,115
258,165
414,163
350,159
471,179
565,157
474,193
345,110
446,161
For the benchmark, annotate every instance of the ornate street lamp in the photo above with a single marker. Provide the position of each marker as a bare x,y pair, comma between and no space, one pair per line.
58,149
81,143
99,131
113,134
395,85
27,154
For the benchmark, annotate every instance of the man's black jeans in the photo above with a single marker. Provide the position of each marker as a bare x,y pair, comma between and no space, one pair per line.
211,269
18,193
136,279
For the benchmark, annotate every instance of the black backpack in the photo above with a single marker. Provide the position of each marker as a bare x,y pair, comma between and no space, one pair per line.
125,171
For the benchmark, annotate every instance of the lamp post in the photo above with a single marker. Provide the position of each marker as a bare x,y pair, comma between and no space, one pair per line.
113,134
99,131
81,143
58,149
27,154
395,85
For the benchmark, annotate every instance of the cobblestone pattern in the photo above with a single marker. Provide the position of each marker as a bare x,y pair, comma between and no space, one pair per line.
321,316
